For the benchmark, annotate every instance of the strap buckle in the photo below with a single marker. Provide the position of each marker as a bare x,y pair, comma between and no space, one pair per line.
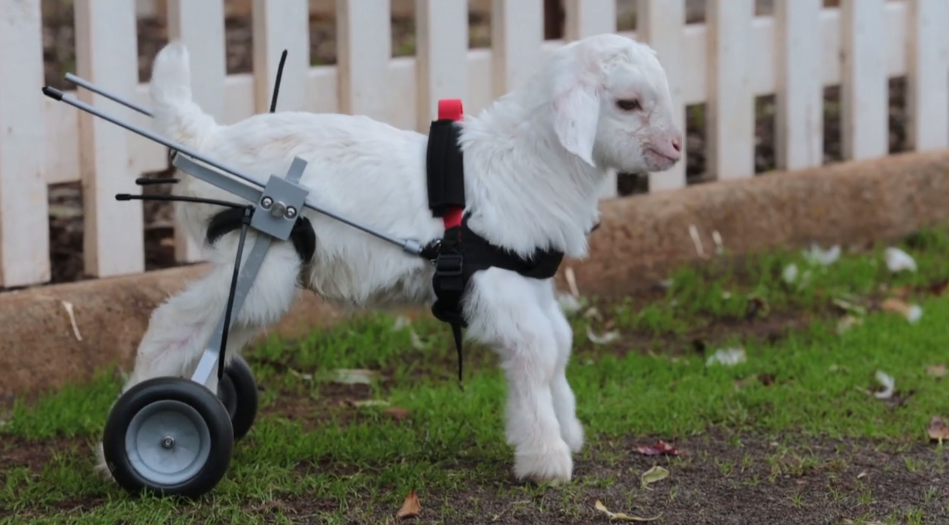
449,265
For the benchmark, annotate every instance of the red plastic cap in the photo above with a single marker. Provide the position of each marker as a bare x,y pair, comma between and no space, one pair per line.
450,109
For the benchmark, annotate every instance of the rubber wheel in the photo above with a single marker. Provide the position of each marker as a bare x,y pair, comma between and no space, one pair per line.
238,391
168,436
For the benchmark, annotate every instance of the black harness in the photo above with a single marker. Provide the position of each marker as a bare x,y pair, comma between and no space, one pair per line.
459,254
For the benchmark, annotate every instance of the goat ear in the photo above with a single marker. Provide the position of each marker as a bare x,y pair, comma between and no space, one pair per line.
576,116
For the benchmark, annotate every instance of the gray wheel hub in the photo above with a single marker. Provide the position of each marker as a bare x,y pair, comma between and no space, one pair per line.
168,442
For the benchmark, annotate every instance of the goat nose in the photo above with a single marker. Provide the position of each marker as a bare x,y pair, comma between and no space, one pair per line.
677,144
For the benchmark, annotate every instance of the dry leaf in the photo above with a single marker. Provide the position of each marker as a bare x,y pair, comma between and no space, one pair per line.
789,274
606,338
696,240
911,312
72,319
410,507
661,448
572,281
728,357
569,304
937,371
416,341
653,475
817,255
619,515
897,260
305,377
938,430
847,322
889,384
370,403
354,376
401,322
397,412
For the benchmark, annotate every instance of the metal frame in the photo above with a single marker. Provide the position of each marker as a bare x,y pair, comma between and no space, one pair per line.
275,209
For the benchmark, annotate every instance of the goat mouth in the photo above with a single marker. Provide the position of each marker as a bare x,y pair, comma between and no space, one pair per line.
661,156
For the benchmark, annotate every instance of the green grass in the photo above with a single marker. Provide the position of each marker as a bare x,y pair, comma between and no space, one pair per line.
347,463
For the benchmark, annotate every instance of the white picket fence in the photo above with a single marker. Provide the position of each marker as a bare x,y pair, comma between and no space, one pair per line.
725,62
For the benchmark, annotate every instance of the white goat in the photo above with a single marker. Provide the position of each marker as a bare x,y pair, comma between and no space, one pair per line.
534,162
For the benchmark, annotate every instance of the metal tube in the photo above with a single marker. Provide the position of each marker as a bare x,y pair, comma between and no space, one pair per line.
409,246
107,94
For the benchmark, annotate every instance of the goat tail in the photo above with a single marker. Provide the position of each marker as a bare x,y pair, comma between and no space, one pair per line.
176,115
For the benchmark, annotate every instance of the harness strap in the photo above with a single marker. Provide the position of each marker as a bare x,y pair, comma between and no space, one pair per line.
446,199
230,219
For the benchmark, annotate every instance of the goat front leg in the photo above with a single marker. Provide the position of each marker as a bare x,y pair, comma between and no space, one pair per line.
506,311
571,430
180,329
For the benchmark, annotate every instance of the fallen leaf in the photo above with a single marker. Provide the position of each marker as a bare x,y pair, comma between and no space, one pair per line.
305,377
354,376
766,379
653,475
939,288
937,371
606,338
848,306
569,303
619,515
397,412
661,448
727,357
817,255
572,281
400,323
847,322
416,341
911,312
696,240
757,308
938,430
719,245
410,507
72,319
888,385
789,274
897,260
370,403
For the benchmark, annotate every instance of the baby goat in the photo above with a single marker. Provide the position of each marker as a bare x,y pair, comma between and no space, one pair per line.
534,161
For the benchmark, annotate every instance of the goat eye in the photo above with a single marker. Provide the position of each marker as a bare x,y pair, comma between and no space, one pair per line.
629,105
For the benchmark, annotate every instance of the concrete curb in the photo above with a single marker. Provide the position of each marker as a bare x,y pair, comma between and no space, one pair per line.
640,239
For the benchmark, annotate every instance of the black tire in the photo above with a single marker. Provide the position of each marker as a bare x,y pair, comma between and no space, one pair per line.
186,411
237,390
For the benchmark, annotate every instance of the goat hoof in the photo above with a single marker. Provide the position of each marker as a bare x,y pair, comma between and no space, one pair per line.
553,466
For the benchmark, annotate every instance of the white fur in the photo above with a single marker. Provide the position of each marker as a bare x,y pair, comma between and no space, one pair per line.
534,162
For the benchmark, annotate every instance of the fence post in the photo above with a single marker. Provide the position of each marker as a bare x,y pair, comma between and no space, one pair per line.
279,25
927,83
517,33
106,54
441,35
799,122
864,86
364,48
660,24
584,18
24,205
730,107
199,24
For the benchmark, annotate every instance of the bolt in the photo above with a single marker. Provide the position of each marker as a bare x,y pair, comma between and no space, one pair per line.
168,442
278,209
266,203
291,212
